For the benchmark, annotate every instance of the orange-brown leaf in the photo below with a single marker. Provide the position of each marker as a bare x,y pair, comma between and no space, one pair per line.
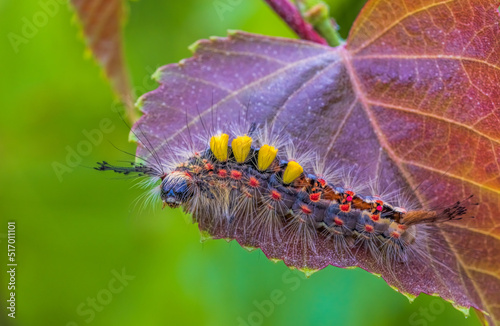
428,76
102,27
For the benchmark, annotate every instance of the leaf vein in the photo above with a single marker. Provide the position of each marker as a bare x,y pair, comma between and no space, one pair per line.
436,117
396,23
242,53
424,56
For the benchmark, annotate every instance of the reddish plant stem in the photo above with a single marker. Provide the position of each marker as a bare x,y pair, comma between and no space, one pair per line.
291,15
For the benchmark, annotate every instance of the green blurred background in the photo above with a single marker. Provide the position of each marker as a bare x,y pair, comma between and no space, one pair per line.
75,233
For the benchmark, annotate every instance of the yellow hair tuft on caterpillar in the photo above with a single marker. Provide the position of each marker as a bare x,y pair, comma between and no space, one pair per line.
267,154
241,147
218,145
293,171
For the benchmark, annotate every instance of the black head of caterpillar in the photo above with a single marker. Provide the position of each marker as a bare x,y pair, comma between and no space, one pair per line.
245,190
176,189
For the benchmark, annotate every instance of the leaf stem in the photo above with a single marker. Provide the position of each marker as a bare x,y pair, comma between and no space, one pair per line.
293,17
317,13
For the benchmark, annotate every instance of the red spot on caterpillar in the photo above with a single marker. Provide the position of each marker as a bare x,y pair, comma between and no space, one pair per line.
209,166
275,195
305,209
369,228
187,174
322,182
349,198
402,227
351,193
345,208
338,221
235,174
315,197
222,173
253,182
375,218
395,234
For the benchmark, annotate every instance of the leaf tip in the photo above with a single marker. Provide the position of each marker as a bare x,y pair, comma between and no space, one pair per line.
204,236
194,47
464,310
139,103
394,288
132,137
308,271
215,38
156,76
411,297
249,248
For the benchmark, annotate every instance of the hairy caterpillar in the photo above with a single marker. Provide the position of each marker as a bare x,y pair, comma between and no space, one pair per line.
256,188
